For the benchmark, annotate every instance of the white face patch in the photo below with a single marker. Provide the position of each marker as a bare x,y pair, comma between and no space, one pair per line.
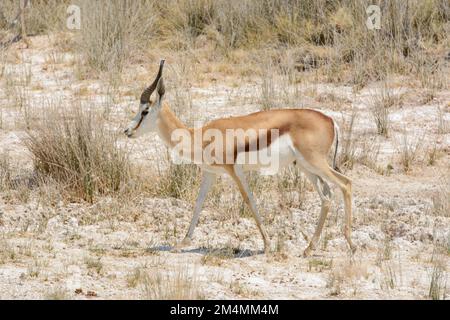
144,121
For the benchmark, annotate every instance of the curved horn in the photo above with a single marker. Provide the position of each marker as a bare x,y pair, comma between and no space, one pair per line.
145,96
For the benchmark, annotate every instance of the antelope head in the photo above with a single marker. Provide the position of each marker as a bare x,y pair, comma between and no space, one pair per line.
145,119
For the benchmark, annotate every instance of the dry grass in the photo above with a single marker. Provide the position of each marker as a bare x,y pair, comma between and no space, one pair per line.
443,126
292,186
409,150
438,272
112,33
178,284
5,172
41,17
382,104
179,181
330,36
441,199
75,148
345,276
7,251
57,293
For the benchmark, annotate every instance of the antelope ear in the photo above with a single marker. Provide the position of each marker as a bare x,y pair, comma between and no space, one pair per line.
160,88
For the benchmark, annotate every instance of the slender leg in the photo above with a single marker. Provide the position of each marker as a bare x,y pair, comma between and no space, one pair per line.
324,192
345,184
238,176
208,179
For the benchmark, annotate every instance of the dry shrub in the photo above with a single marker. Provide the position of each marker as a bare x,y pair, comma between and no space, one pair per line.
178,284
40,17
346,274
357,148
292,186
382,102
5,172
409,150
7,251
74,147
115,32
112,33
179,181
441,198
438,272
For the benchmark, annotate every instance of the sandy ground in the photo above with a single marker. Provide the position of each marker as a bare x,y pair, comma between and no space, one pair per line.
57,252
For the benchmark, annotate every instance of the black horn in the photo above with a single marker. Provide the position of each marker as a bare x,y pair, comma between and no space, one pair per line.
145,96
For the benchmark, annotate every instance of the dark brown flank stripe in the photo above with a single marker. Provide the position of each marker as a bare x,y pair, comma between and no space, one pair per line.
259,145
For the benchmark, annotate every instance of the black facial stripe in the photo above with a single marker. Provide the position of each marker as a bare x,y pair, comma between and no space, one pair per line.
143,114
139,123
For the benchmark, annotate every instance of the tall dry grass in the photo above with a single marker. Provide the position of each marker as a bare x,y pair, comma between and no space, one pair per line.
113,32
331,35
74,147
41,16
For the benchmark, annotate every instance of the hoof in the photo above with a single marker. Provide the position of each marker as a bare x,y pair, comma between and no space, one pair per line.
307,252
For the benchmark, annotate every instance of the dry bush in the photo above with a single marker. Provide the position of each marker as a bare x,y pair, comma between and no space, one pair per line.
348,153
381,104
178,284
438,272
179,181
57,293
74,147
438,282
6,179
346,274
335,31
355,148
112,33
268,90
41,16
441,198
443,126
409,151
7,251
291,185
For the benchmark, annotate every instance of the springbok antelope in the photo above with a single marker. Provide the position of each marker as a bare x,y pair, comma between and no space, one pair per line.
305,138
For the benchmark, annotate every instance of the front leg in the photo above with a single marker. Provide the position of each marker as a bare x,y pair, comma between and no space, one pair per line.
238,176
208,179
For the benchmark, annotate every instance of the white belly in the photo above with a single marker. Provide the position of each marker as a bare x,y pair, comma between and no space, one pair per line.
269,161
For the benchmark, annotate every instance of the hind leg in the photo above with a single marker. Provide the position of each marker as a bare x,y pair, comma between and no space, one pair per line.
345,184
317,164
324,192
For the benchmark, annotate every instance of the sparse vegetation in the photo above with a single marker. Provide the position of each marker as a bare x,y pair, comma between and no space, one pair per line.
178,181
105,42
57,293
179,284
76,149
441,198
86,212
94,264
381,106
409,151
438,273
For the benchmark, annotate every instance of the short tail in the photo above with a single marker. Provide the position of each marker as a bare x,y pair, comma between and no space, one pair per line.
336,135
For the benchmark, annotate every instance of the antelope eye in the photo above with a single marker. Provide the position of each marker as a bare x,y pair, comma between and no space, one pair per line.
145,112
